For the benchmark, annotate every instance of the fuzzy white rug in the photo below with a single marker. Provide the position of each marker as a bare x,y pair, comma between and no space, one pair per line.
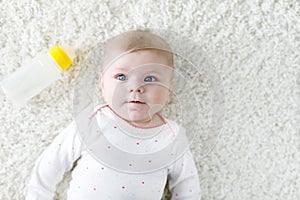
254,46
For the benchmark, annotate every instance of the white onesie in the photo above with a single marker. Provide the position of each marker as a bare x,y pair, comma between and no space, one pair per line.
123,167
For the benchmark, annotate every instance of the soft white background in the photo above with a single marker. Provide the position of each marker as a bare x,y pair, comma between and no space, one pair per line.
254,46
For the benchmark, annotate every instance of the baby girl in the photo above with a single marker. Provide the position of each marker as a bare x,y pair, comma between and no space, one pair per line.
128,149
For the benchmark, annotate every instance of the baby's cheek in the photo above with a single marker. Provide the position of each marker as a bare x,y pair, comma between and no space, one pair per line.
161,96
109,96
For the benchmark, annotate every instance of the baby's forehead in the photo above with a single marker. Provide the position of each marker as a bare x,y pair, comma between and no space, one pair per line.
144,60
148,67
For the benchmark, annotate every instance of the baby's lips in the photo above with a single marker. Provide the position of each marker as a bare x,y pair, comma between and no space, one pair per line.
137,102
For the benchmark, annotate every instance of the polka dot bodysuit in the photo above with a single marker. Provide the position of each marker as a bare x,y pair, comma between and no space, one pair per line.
115,163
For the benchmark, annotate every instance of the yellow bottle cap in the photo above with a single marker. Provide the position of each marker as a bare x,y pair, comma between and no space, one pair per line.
61,57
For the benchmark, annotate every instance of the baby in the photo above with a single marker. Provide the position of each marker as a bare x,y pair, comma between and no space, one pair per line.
127,149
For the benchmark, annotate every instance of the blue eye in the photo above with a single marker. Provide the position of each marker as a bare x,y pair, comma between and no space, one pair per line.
150,79
121,77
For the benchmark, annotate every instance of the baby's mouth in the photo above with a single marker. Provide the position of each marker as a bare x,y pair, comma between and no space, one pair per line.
136,102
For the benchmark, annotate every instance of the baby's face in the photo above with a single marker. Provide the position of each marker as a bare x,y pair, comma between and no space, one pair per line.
137,86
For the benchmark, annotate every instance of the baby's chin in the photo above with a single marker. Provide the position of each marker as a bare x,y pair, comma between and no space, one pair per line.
139,115
141,119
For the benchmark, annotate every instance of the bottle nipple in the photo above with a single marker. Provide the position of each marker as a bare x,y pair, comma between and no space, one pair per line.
63,56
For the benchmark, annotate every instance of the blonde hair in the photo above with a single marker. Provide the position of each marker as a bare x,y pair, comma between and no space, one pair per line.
136,40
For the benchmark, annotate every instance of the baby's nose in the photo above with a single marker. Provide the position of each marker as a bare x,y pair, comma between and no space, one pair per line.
135,84
138,89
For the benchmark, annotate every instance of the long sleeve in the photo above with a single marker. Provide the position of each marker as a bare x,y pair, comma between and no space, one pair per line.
51,166
183,179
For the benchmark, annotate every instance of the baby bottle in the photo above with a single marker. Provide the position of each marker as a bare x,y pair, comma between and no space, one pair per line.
39,73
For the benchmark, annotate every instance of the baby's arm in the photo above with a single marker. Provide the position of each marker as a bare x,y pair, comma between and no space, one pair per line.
50,167
183,179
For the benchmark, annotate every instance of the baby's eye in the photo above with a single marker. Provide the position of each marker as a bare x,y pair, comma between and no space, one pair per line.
150,79
121,77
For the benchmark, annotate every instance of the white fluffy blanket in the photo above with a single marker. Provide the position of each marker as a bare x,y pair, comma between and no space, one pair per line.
253,46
